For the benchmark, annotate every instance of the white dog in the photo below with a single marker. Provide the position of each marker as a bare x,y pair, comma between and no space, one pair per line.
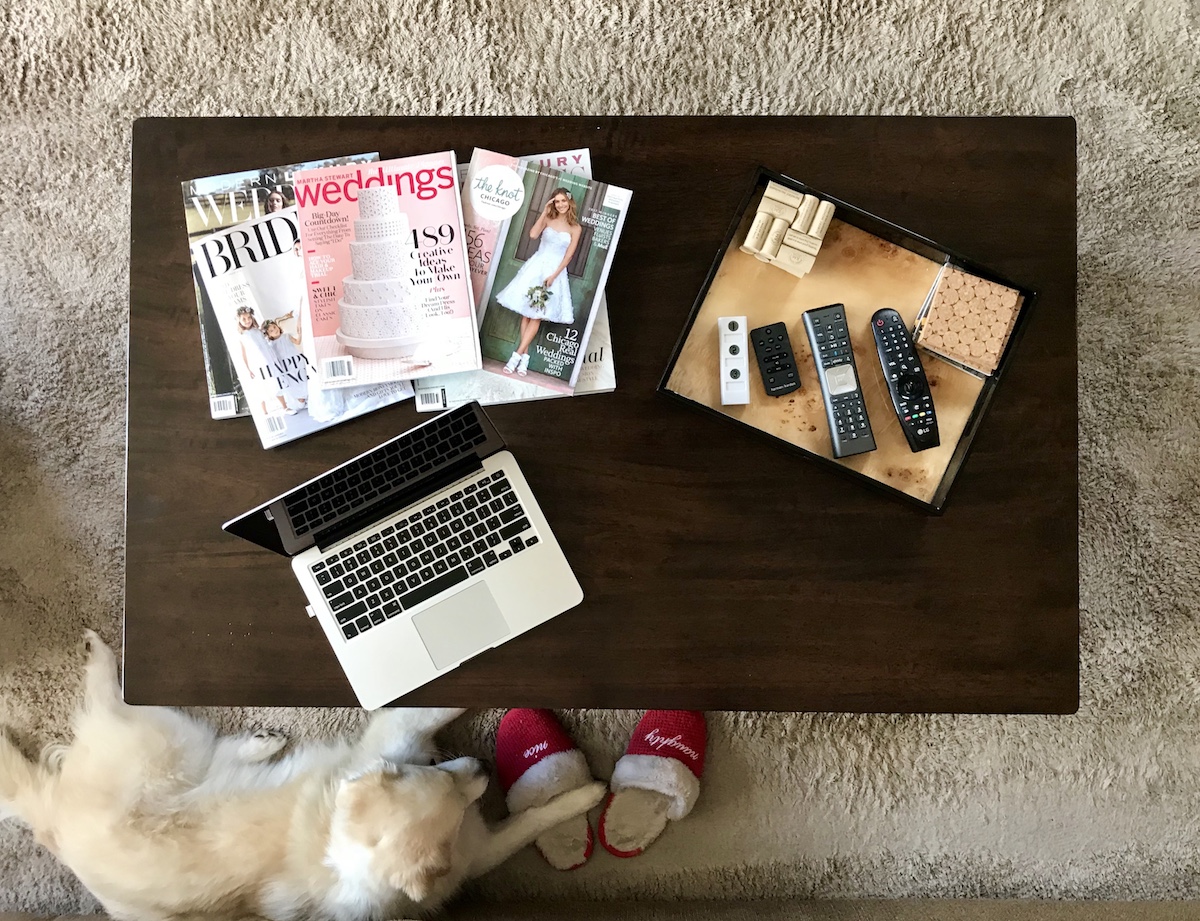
160,818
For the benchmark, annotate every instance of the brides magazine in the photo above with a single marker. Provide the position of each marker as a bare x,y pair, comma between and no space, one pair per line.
253,277
213,203
555,233
598,373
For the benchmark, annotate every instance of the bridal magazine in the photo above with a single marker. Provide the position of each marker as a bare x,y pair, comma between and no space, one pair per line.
388,284
598,371
252,276
210,204
551,235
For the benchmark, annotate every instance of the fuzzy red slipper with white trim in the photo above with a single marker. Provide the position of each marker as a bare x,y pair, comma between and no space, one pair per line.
657,780
536,761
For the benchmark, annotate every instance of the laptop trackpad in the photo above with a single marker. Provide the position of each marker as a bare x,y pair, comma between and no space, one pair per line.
461,626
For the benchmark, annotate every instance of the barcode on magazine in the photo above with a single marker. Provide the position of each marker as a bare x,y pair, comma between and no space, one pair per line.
222,407
335,369
432,399
276,425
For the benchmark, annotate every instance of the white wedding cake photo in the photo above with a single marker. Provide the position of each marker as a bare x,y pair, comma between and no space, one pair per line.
379,311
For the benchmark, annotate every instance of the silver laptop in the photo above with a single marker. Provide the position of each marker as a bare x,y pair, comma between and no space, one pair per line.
419,554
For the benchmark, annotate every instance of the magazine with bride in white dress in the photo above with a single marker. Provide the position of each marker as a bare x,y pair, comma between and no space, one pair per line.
540,244
597,374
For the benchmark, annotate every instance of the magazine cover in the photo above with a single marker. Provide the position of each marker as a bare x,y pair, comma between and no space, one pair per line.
253,277
212,203
598,374
555,235
389,289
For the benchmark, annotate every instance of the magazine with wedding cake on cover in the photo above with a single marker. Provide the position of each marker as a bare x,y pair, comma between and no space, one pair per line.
253,277
598,374
388,283
212,203
555,236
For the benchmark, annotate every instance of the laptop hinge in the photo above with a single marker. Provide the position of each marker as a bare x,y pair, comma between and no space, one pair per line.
365,517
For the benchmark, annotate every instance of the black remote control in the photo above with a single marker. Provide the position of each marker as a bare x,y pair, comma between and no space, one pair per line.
845,408
905,376
773,350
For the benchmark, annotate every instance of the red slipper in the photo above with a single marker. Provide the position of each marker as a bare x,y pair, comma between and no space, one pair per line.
536,761
657,780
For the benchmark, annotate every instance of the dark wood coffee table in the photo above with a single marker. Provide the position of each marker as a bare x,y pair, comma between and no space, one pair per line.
719,572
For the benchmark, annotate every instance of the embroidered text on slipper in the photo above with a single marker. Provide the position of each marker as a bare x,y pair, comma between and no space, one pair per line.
655,740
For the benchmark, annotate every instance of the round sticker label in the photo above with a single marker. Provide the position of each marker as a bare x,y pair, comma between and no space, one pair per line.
496,192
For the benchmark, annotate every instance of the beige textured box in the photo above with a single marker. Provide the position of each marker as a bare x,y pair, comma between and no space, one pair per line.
969,319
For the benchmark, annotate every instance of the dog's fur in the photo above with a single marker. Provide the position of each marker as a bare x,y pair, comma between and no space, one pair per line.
160,818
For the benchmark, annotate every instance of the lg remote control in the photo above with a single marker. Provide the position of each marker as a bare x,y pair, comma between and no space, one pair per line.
849,427
773,350
906,380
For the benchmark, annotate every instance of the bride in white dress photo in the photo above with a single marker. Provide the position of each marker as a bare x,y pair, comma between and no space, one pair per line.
540,290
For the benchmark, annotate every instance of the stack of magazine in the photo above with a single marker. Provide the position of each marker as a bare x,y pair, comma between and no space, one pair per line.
332,288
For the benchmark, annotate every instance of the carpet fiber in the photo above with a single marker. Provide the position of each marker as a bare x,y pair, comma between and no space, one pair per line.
1099,804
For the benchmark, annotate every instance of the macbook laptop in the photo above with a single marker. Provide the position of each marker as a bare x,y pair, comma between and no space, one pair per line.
419,554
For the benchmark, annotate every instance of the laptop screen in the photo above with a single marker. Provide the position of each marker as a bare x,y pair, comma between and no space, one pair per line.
365,488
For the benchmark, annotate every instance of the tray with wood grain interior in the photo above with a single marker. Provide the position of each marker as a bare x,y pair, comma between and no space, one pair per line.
792,250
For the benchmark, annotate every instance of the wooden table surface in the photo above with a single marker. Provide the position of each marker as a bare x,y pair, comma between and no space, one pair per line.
719,572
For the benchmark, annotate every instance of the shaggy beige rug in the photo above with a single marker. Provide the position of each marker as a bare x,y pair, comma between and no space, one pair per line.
1101,804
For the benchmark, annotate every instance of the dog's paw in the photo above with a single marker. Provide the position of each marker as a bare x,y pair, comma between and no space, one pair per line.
261,745
95,650
91,643
596,791
97,655
581,799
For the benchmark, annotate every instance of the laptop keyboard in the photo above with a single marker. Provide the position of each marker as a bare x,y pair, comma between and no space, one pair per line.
424,554
384,470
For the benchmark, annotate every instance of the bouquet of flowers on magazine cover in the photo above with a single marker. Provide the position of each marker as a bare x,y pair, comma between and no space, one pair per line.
597,374
388,284
253,278
550,236
213,203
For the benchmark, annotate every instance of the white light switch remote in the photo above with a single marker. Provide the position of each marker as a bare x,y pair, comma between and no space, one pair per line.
734,362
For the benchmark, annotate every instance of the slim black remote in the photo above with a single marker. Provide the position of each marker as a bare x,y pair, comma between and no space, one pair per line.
905,376
773,350
849,427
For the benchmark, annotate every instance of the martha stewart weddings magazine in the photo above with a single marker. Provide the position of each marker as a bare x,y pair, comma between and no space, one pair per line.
213,203
598,371
388,284
253,278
